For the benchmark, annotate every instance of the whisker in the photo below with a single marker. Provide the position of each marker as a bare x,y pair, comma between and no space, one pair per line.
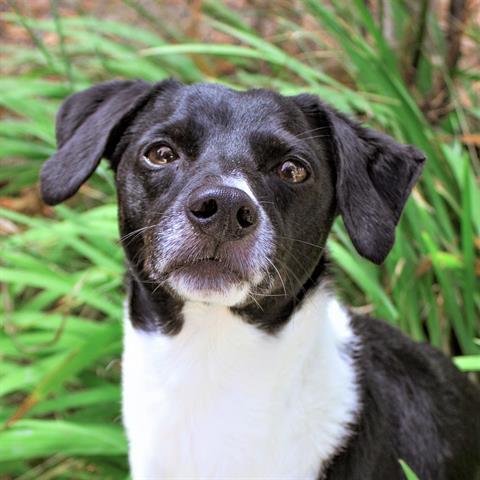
299,281
250,295
157,287
316,136
267,294
312,130
136,232
301,241
278,273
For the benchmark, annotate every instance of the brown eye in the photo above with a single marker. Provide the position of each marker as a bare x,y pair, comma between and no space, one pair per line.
160,155
292,171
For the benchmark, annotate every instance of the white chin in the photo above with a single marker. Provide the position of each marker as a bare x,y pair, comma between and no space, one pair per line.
230,295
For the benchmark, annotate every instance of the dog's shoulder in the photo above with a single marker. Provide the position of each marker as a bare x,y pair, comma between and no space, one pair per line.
417,406
390,357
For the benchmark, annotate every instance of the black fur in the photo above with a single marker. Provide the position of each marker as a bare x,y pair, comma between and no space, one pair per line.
416,405
374,177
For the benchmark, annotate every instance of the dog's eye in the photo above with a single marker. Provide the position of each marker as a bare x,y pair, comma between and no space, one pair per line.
292,171
160,155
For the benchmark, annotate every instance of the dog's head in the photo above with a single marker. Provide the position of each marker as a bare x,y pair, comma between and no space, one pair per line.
229,196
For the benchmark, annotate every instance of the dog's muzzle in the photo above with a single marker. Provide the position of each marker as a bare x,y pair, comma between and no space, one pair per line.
213,245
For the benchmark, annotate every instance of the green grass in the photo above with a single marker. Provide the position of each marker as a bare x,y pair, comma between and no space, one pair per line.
409,473
62,276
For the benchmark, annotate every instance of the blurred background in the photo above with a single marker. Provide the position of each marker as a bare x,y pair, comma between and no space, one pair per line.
410,68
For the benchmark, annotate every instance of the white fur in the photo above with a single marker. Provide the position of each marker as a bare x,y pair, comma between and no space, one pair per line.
238,181
231,296
223,400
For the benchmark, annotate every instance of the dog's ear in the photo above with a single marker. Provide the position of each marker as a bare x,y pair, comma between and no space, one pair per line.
374,176
87,125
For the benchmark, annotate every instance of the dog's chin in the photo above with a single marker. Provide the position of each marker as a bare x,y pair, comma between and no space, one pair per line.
209,282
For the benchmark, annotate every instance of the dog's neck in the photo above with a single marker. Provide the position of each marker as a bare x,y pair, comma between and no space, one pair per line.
225,384
214,338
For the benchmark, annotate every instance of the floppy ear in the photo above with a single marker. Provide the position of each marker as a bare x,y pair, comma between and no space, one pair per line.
85,129
374,176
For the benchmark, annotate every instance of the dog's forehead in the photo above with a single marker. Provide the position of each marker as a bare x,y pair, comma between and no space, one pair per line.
218,107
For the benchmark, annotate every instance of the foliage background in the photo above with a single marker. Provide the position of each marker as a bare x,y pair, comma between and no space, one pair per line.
408,68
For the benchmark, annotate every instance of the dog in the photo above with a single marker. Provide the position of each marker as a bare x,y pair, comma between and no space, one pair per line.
239,361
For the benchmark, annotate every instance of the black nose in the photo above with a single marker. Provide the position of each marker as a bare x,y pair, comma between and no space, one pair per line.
226,213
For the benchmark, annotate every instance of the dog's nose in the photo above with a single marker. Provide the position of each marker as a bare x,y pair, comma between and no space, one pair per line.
226,213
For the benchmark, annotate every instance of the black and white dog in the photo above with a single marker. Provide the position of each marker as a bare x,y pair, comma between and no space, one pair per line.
239,361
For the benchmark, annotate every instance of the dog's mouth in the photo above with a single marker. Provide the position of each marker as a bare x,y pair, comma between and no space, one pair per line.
209,271
207,267
209,278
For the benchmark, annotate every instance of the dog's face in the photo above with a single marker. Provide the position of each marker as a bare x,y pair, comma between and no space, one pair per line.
227,192
229,196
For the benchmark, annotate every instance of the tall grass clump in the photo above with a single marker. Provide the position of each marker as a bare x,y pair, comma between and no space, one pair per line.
61,269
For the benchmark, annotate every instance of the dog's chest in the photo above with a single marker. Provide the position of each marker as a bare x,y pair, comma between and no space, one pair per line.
223,400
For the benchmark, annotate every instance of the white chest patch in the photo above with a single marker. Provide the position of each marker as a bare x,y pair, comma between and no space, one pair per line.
223,400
